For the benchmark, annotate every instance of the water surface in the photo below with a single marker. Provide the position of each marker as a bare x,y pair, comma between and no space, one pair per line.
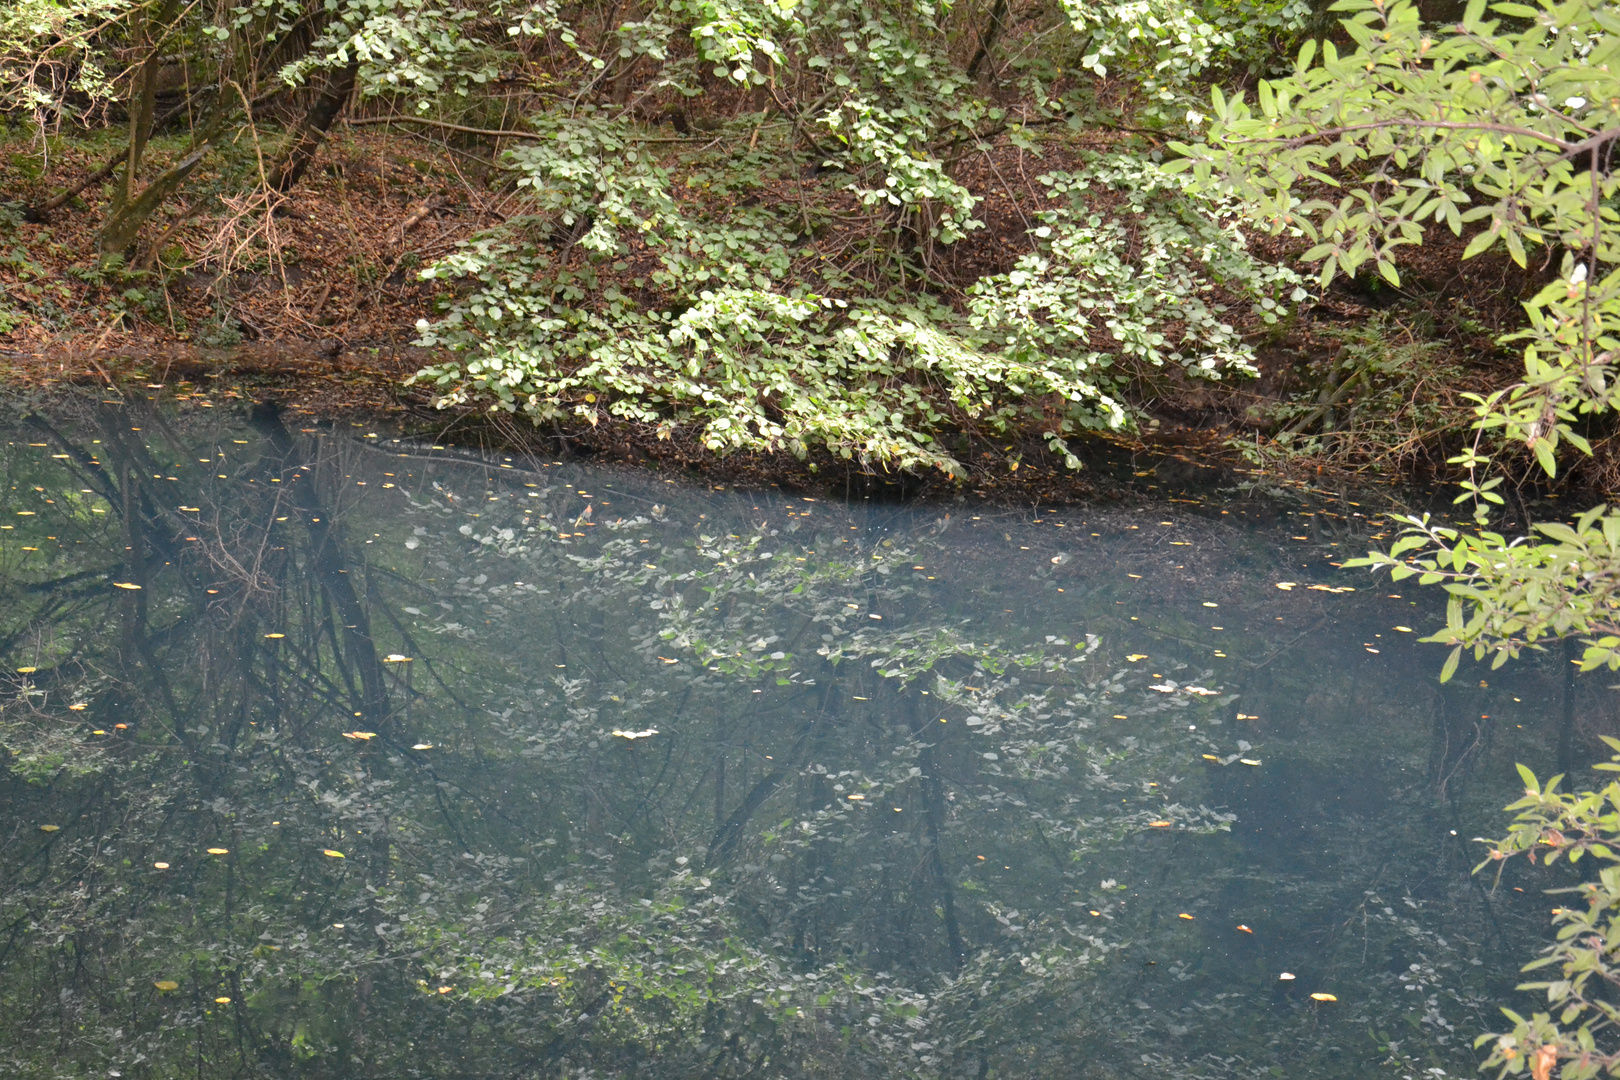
335,754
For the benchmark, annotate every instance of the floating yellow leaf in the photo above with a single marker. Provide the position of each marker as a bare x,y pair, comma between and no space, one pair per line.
1404,629
1286,585
166,985
1323,997
423,746
333,854
396,658
125,585
219,851
1210,757
1287,976
50,828
1184,915
1208,603
78,706
646,734
1096,913
361,735
98,731
27,670
445,989
160,865
1248,761
222,1001
275,635
1158,824
192,509
1134,657
1246,716
1245,929
858,798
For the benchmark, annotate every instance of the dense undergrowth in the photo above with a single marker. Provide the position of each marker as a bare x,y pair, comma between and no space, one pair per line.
893,235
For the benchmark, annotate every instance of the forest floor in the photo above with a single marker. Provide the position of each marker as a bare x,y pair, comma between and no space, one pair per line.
326,328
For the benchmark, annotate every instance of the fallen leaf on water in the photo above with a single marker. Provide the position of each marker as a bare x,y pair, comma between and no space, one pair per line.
1096,913
1158,824
78,706
361,735
396,658
219,851
1202,691
333,854
125,585
646,734
858,798
27,670
1248,761
1286,585
1133,575
1134,657
98,731
1210,603
166,985
1245,929
423,746
1184,915
445,989
1287,976
222,1001
1210,757
1323,997
50,828
161,865
275,636
669,660
1404,629
1163,688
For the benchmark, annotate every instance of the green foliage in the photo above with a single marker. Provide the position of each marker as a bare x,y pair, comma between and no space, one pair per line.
52,55
724,340
1169,45
1576,1033
1507,596
1503,126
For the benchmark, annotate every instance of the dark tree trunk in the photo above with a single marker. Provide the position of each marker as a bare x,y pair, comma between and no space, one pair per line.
987,40
311,131
150,33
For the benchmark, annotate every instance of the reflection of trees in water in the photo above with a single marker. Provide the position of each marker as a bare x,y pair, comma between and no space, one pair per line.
712,900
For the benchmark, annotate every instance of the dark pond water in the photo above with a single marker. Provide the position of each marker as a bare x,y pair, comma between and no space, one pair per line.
335,755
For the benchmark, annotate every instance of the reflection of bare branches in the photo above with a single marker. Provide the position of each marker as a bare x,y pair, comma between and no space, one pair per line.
1446,768
239,552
